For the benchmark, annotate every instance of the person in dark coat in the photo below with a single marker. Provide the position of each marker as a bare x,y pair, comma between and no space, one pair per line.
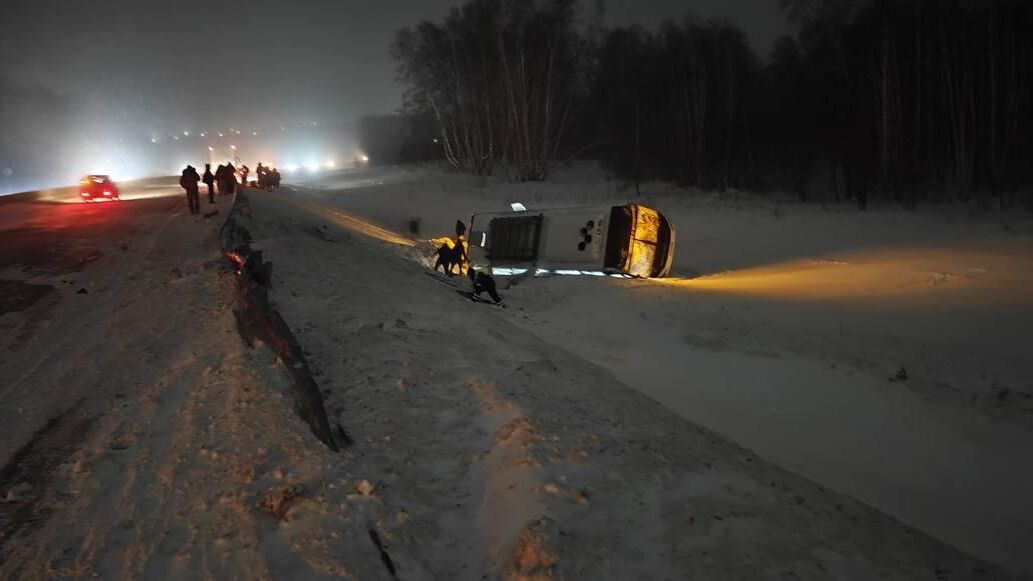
209,180
189,181
231,178
444,260
483,283
460,229
220,179
244,171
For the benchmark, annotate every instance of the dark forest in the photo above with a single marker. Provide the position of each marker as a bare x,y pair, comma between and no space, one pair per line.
903,100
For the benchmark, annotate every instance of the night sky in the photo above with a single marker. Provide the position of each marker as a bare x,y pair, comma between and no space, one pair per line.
103,86
193,63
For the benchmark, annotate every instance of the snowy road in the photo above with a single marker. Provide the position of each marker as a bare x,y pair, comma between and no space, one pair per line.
55,232
56,252
103,304
792,347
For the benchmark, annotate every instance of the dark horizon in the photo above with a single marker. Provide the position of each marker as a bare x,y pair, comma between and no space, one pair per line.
112,86
318,61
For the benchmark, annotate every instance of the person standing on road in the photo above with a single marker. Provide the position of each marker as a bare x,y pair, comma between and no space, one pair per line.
244,171
263,179
189,181
220,179
209,180
231,179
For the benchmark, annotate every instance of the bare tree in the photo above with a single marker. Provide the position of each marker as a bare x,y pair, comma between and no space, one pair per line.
501,78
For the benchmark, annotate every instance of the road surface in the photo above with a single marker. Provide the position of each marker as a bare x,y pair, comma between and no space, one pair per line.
89,298
62,235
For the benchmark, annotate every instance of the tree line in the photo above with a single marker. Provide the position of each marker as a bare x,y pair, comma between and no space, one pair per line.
500,78
906,100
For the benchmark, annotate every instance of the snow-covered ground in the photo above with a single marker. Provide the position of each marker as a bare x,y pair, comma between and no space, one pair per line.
792,340
139,437
593,429
482,450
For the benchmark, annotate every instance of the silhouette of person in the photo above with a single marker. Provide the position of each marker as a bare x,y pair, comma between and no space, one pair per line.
209,180
220,179
189,181
483,283
231,178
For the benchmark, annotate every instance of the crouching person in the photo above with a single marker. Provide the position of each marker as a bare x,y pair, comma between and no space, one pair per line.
483,283
444,259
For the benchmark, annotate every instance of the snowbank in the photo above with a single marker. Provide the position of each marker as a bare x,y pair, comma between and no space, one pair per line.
155,443
482,450
794,342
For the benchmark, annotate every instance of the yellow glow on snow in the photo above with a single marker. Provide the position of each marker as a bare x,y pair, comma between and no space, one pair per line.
354,224
985,273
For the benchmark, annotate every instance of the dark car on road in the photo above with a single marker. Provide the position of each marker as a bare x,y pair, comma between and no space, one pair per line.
94,188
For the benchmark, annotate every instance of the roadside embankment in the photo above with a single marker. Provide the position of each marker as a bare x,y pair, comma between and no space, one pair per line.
485,451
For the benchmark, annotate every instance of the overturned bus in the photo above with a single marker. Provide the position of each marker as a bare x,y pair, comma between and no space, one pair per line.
630,240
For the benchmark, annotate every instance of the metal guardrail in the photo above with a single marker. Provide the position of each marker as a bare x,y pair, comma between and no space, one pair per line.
257,320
